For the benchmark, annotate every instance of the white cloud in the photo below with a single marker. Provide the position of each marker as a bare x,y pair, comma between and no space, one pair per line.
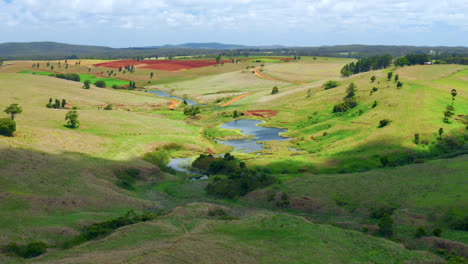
239,15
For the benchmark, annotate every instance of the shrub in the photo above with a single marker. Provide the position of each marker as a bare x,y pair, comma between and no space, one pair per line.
100,83
384,122
30,250
345,106
7,127
420,232
274,90
192,110
330,84
384,161
416,138
374,104
461,224
108,107
437,232
115,86
386,225
127,177
379,212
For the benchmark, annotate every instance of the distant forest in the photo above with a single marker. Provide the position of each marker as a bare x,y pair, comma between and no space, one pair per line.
52,50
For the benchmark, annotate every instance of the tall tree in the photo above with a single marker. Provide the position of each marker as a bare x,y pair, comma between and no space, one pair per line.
397,77
454,93
72,119
389,75
13,110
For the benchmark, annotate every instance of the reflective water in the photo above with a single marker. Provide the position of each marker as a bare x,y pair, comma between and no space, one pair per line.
259,133
166,95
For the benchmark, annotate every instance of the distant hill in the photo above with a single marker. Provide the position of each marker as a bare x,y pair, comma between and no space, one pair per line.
54,50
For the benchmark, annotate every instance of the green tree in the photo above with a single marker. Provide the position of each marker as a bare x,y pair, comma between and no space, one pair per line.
151,75
218,58
389,76
13,110
397,77
350,91
441,131
416,138
454,93
86,84
274,90
64,102
399,85
72,119
386,225
330,84
100,83
448,113
7,127
57,103
372,78
402,61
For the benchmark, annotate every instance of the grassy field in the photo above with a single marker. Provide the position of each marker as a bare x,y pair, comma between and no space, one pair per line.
55,180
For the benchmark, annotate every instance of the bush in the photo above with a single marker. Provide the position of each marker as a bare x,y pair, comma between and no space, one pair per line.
384,122
192,110
7,127
100,83
378,213
420,232
345,106
330,84
416,138
115,86
386,225
30,250
374,105
217,212
437,232
461,224
274,90
108,107
68,76
384,161
127,177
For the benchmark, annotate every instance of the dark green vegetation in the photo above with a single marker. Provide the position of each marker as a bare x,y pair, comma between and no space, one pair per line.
331,84
367,64
349,101
72,119
29,250
7,127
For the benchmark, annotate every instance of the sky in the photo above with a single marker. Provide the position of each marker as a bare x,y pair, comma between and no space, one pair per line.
137,23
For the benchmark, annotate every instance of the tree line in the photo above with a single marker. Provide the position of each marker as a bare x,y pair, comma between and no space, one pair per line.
367,64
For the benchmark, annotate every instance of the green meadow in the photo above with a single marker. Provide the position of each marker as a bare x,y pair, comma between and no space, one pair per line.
334,179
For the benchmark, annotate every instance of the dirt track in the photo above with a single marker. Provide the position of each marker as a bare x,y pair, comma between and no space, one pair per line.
274,79
235,99
173,104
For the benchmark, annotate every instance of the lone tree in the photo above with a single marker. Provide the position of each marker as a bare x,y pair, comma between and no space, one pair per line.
441,131
72,119
274,90
448,113
389,76
12,110
86,84
454,93
397,78
151,75
372,78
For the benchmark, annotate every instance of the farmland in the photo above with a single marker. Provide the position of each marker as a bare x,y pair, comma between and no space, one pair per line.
330,176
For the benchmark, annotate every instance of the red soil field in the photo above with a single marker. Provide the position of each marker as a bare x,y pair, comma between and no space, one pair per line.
163,65
261,113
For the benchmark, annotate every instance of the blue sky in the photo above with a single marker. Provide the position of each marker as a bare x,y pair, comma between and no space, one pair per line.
127,23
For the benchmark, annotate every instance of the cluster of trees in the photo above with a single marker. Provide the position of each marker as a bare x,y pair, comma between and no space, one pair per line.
36,65
30,250
129,68
57,105
453,60
110,73
240,181
349,101
131,85
367,64
412,59
192,110
68,76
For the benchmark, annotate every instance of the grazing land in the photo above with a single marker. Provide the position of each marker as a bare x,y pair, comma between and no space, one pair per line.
352,184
